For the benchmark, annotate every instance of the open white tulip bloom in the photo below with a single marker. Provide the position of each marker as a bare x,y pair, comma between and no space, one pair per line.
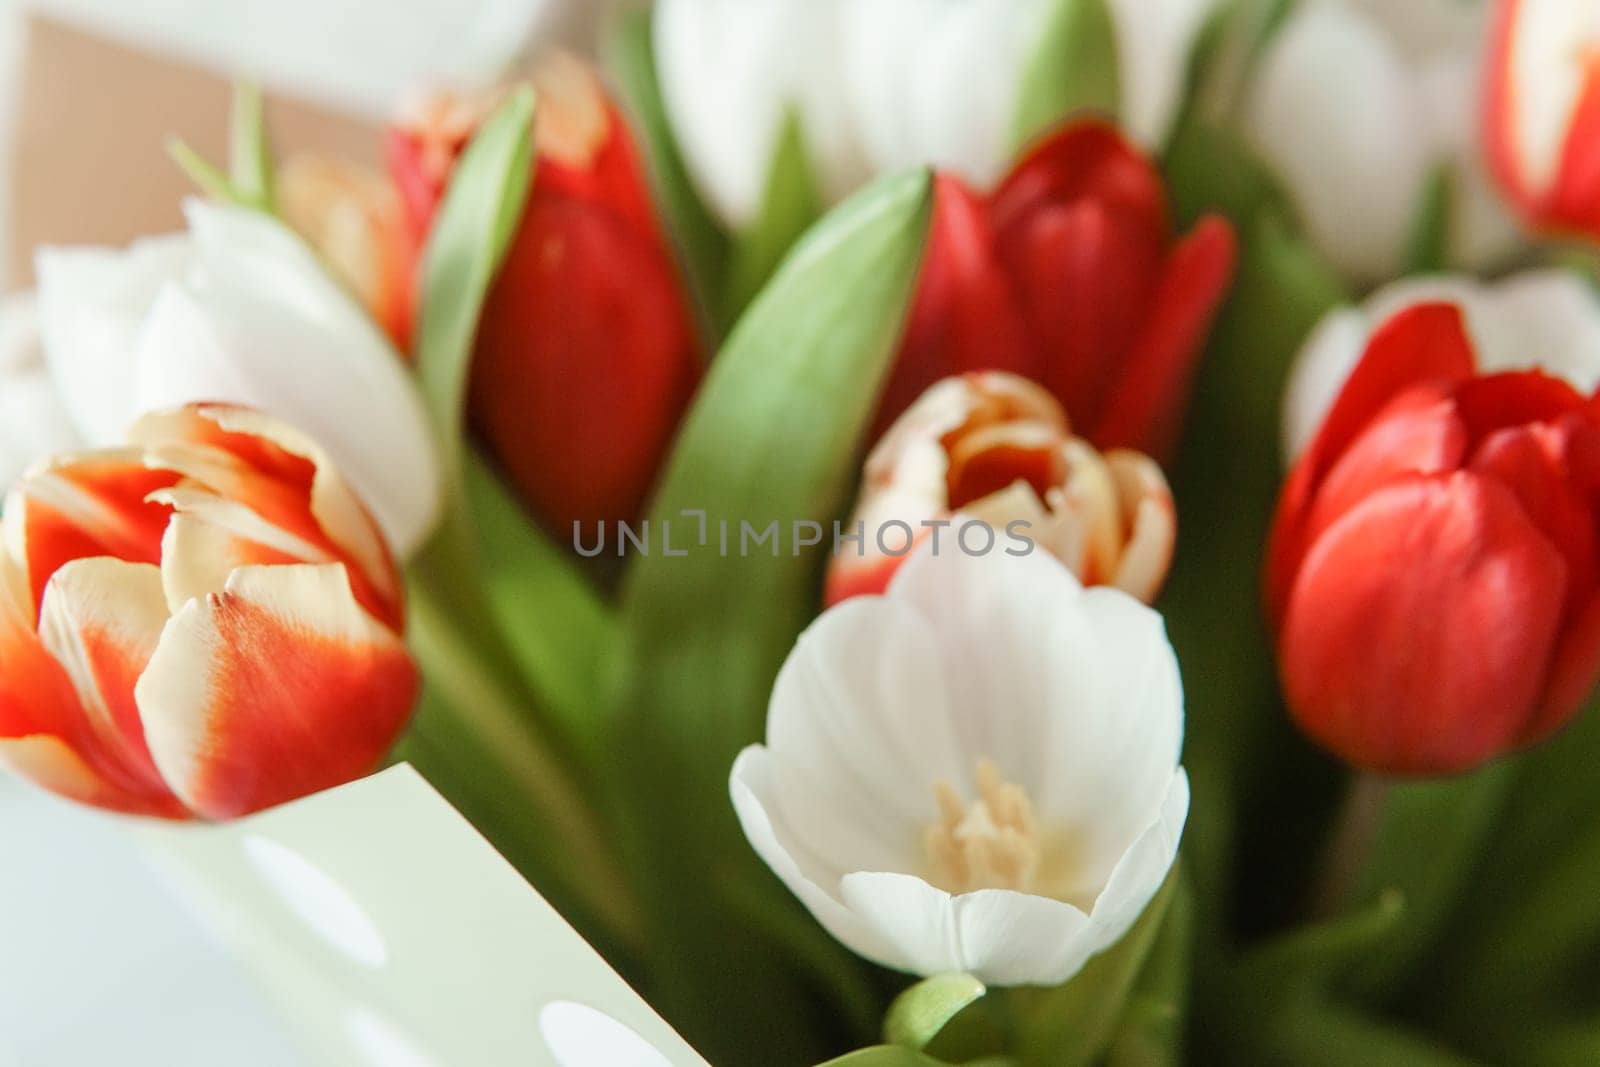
1545,320
240,310
975,772
33,423
1358,161
884,85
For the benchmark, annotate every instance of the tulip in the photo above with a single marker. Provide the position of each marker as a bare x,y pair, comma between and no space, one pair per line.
998,449
586,356
33,421
1433,570
976,772
204,623
1066,274
1542,111
356,220
1358,107
878,87
239,310
1539,320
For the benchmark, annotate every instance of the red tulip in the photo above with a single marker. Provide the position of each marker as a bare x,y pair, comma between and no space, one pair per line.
1433,570
586,356
205,624
1068,274
1542,111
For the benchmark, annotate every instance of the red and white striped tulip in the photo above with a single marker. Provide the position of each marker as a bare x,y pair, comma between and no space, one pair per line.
586,355
1542,111
200,625
997,448
1434,572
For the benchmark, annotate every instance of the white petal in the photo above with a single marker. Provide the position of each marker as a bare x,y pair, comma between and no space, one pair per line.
1549,53
33,422
1547,320
92,303
752,786
860,731
730,71
934,82
1154,41
1355,160
260,322
1141,871
916,921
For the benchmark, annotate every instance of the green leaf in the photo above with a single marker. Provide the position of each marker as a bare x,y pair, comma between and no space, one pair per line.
1429,248
201,171
1310,1032
790,205
250,165
1209,168
1429,842
468,240
701,243
884,1056
918,1014
1073,69
1151,1030
558,626
1075,1023
1314,954
775,436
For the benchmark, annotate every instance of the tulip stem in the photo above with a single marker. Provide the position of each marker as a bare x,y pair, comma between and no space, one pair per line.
488,709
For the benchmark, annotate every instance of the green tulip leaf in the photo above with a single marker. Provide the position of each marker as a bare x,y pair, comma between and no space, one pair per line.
1072,70
1313,955
250,166
701,243
918,1015
884,1056
791,204
773,440
1429,249
1151,1030
1075,1023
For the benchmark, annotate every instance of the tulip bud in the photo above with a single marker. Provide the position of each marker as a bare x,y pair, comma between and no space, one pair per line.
1433,571
1542,111
1067,274
585,355
355,219
203,624
998,449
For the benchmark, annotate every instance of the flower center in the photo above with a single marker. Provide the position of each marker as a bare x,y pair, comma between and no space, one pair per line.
992,843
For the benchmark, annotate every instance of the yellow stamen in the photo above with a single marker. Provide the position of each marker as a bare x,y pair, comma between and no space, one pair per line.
993,843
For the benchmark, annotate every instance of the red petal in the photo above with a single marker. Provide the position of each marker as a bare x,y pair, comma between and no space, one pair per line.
1145,412
1084,161
585,362
1497,401
1421,626
276,688
1574,203
850,576
83,506
965,316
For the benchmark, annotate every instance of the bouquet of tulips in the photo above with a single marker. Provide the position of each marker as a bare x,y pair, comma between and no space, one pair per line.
1017,533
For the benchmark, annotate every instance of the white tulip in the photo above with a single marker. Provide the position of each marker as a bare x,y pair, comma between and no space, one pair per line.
975,772
1357,105
240,310
1541,320
883,85
33,423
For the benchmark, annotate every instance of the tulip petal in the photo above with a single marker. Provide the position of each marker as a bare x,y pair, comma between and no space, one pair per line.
1154,41
92,304
277,687
259,322
861,731
1355,161
93,504
45,734
1141,870
753,787
34,422
1420,628
101,619
1146,411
